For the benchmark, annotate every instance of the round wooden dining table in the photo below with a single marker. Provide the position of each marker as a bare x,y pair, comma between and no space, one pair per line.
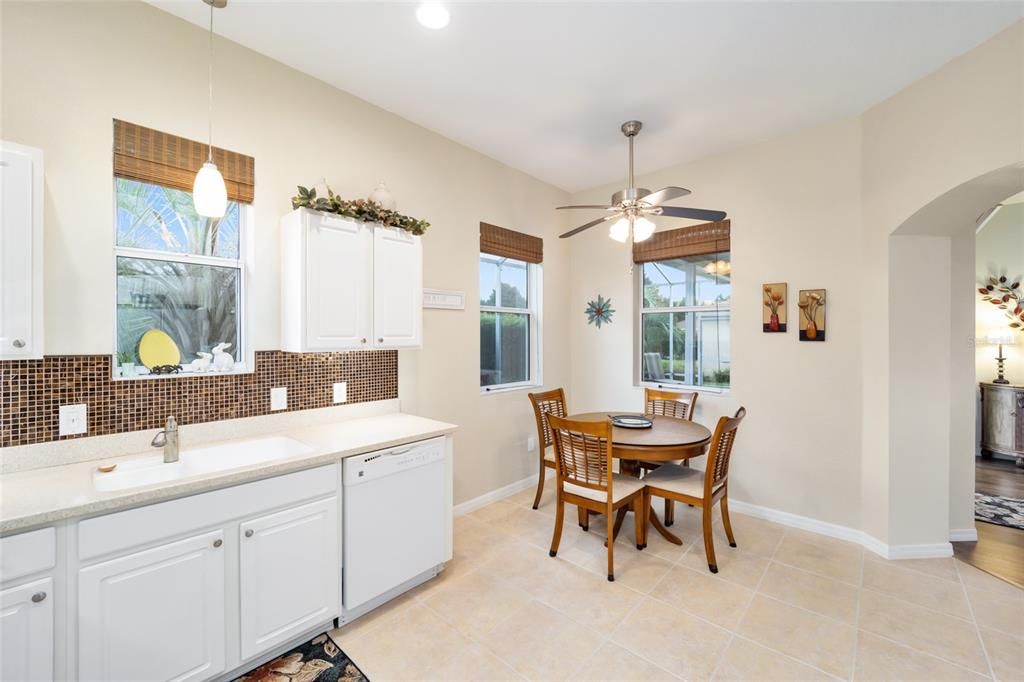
668,439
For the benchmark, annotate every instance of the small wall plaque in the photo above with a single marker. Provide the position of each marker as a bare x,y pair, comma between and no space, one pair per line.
444,299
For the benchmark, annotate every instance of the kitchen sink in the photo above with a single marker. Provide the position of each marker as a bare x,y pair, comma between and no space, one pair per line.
151,469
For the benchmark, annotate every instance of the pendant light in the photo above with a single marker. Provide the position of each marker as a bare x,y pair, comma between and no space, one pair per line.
209,194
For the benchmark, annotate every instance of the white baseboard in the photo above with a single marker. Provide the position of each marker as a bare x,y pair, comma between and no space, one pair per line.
833,530
501,493
963,535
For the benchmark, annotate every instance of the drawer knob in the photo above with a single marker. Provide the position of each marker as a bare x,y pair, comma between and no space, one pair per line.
218,543
38,597
364,340
19,343
248,533
380,340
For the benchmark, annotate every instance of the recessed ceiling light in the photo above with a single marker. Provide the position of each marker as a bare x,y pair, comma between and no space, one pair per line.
432,15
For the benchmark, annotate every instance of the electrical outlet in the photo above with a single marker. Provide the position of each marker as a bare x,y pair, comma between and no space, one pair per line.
279,398
531,444
340,394
73,419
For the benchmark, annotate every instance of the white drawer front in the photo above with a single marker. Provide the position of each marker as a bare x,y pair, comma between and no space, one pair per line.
27,553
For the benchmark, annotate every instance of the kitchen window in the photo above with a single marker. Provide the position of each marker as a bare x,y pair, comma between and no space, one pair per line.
510,295
683,336
176,272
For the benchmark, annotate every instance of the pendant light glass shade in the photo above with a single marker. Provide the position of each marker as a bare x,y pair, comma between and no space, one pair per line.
209,193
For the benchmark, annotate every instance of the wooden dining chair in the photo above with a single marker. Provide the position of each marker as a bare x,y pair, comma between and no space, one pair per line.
668,404
548,402
703,488
583,456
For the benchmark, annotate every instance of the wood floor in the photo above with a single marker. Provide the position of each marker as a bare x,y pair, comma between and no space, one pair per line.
999,550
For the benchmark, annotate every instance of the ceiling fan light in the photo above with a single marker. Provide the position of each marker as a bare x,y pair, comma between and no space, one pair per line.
642,229
619,231
432,15
209,193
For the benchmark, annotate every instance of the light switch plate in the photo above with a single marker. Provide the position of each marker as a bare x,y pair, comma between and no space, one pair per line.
279,398
340,393
73,419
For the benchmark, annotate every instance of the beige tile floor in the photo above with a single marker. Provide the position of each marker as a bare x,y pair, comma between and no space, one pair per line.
785,605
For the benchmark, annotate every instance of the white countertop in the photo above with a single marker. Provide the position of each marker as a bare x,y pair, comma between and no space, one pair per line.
41,496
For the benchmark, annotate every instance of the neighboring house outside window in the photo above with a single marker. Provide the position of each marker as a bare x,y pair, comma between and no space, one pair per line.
683,334
510,318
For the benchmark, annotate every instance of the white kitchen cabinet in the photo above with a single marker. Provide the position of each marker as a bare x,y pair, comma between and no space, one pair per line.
26,631
289,574
21,252
397,288
348,285
157,614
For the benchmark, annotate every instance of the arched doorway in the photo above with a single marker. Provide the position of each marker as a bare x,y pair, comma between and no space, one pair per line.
932,356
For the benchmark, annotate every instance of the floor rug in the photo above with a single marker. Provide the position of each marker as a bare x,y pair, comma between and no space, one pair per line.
318,660
1002,511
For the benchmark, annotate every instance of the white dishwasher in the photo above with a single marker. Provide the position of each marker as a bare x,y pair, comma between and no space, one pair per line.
397,520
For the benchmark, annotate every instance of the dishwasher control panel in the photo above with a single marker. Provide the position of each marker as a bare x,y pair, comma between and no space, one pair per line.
369,466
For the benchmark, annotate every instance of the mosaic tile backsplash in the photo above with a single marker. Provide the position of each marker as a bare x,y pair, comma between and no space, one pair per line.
32,391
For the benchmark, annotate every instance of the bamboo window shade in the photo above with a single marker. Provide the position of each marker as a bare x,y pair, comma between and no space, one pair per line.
499,241
152,156
696,240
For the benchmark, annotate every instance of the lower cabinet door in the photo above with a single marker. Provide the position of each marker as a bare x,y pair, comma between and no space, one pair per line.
157,614
290,574
26,632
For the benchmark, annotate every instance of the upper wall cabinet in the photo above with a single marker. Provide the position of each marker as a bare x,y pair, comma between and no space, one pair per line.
21,252
347,285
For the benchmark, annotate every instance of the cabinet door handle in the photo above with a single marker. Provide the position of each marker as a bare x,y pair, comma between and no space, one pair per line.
19,343
248,533
218,543
380,340
38,597
364,340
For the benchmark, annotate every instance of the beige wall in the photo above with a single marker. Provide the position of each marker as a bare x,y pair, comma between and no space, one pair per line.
794,206
68,69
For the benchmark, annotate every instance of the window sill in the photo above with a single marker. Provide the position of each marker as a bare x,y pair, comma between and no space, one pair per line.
240,368
684,388
507,388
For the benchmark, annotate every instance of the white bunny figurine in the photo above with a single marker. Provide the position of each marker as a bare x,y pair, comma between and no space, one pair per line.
222,362
202,363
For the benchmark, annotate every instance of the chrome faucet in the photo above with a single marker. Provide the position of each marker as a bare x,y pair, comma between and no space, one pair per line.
168,440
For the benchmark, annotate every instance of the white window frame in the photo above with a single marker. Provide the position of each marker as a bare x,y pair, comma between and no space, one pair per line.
534,297
244,355
638,334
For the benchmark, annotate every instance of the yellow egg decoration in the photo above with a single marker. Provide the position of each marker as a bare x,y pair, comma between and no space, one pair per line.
156,348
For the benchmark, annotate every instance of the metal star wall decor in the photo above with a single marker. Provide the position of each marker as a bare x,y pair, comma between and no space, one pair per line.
599,311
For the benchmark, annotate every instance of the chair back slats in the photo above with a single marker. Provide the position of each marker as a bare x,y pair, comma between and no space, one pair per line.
720,451
669,403
583,451
548,402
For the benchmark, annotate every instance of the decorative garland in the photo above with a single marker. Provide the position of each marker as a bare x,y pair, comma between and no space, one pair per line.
1007,297
358,209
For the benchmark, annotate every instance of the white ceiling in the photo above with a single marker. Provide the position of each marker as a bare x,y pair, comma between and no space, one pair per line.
543,87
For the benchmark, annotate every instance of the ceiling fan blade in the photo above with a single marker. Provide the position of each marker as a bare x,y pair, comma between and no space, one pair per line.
665,194
587,226
692,213
594,206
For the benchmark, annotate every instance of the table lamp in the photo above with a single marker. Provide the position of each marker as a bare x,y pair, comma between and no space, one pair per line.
1000,338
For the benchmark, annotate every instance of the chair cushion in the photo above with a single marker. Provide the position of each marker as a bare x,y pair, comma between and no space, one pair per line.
674,478
622,487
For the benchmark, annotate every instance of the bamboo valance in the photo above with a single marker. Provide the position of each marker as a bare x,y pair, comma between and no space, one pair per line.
499,241
152,156
697,240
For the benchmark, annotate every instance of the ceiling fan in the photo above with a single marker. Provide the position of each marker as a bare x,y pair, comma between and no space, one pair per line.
632,205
